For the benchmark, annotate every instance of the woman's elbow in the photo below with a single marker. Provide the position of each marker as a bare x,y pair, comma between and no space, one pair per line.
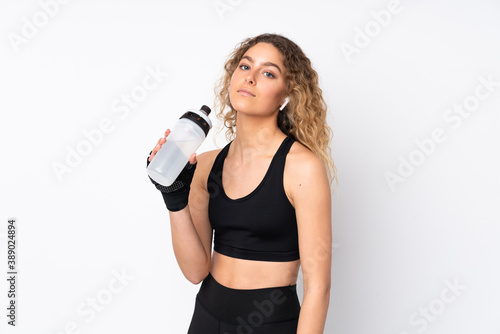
196,278
320,288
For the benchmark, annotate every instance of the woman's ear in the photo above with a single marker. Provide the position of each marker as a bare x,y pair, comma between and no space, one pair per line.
287,99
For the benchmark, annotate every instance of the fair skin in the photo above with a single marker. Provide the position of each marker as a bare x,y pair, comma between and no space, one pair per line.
257,91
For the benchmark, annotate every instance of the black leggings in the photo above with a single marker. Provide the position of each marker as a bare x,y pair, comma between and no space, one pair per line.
222,310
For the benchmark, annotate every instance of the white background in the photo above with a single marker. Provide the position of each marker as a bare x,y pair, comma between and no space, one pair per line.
395,248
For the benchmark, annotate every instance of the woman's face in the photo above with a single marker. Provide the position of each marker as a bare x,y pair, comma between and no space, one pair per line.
258,83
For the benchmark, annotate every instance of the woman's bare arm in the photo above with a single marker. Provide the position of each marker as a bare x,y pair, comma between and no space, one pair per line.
190,227
309,190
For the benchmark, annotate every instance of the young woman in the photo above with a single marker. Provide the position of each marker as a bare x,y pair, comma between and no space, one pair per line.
266,194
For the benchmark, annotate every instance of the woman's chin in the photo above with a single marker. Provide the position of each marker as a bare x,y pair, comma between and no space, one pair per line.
241,106
251,109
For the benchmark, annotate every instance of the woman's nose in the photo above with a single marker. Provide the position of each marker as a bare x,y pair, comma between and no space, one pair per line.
250,78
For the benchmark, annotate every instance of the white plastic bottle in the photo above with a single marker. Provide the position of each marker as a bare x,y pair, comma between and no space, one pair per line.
184,139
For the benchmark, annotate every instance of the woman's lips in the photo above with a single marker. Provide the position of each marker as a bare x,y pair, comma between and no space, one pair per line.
246,92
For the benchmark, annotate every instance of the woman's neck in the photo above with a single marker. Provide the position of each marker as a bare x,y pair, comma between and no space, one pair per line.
256,136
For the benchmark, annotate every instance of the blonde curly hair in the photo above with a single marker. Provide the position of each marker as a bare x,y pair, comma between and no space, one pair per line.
304,117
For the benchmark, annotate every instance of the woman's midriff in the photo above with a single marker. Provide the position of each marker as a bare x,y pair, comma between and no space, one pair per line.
248,274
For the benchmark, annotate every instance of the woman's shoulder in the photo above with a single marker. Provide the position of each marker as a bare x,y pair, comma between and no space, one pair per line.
305,174
207,158
205,162
210,153
302,158
303,165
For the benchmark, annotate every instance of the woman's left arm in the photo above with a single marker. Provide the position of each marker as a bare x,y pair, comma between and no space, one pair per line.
310,191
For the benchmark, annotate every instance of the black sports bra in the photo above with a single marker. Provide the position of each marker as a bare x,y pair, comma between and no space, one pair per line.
259,226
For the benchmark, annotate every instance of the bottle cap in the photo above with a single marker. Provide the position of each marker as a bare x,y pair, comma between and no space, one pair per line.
205,109
200,117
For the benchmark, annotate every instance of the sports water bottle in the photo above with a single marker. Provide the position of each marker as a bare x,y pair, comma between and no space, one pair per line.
184,139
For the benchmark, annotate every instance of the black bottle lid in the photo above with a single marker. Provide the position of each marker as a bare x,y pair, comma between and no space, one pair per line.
196,118
206,109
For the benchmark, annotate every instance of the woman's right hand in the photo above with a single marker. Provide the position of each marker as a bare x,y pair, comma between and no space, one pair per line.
161,141
176,195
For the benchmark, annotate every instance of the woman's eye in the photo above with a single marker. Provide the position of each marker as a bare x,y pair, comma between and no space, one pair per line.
269,74
244,67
